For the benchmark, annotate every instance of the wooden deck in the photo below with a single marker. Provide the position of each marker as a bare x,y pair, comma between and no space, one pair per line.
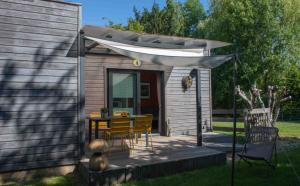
170,155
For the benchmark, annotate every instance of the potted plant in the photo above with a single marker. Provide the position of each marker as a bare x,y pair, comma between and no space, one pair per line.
104,112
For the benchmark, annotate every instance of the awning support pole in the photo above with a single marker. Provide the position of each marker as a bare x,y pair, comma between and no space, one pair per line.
234,121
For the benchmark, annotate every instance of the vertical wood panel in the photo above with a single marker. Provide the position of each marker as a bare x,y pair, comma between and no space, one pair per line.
181,104
205,99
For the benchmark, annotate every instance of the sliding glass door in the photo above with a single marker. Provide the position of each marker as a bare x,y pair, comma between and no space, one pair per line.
123,92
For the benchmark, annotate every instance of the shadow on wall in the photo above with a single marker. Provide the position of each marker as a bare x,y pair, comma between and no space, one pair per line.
38,111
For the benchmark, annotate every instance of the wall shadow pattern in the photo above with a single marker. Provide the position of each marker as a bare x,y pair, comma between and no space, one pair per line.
38,113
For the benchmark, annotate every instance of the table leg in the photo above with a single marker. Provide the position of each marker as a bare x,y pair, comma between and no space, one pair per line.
90,131
96,130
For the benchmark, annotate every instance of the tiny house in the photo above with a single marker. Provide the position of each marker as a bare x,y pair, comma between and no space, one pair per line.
115,81
54,73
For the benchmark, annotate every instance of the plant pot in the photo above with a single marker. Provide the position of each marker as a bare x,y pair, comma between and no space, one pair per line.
104,114
98,162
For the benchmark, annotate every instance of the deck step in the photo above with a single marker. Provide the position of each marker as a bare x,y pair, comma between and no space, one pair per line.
152,165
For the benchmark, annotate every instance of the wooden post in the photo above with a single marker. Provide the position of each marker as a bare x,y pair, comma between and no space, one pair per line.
81,90
199,110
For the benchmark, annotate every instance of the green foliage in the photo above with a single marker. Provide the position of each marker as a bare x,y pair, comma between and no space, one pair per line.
68,180
194,14
267,36
176,19
265,33
167,21
134,25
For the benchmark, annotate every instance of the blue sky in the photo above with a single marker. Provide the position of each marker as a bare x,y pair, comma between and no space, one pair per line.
117,11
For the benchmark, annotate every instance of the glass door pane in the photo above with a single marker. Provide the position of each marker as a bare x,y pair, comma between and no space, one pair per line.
123,92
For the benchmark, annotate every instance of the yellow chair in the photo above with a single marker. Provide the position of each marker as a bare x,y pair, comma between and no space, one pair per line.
121,114
119,127
100,124
143,124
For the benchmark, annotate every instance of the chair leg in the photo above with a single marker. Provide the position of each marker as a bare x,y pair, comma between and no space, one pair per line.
150,133
122,143
131,136
129,141
109,146
275,155
113,141
238,163
136,138
245,160
271,165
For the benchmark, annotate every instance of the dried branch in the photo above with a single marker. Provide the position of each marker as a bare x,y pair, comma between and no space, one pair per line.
286,99
243,95
270,89
274,100
275,115
256,96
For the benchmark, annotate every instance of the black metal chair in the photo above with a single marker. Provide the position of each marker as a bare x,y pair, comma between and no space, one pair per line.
261,145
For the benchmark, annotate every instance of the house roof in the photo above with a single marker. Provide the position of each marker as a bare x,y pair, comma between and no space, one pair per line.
150,40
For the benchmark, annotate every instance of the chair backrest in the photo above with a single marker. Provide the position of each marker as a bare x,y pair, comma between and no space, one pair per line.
261,134
256,117
120,125
95,114
121,114
143,122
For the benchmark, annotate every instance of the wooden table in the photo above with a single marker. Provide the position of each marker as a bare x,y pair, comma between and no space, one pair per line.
97,120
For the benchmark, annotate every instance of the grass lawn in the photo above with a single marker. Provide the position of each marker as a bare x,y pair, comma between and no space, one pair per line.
286,129
257,175
52,181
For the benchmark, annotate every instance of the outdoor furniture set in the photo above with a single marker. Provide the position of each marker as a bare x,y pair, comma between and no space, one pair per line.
121,126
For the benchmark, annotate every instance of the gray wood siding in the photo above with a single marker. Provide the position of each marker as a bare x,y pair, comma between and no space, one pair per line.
39,84
205,90
181,105
95,72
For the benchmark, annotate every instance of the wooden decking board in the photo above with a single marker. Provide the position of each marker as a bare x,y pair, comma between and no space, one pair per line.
170,155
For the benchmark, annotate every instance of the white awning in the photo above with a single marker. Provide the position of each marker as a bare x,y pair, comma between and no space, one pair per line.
169,57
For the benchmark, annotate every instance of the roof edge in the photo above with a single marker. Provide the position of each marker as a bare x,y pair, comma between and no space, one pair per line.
64,2
157,35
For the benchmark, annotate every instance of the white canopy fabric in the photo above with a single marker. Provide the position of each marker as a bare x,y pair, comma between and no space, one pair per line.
168,57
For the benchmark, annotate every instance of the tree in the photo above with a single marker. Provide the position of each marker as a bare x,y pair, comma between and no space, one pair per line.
264,39
177,19
167,21
173,20
194,14
265,32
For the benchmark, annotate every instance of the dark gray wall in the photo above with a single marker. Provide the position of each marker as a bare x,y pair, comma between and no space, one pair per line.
39,84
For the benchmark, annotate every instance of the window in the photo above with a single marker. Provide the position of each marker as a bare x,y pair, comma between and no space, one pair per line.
123,92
